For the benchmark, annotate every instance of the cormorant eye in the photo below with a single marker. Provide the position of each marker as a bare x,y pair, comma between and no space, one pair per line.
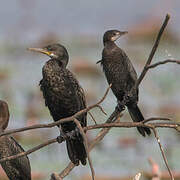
114,34
49,48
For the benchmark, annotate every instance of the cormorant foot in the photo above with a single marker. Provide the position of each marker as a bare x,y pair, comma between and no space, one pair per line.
67,135
120,106
60,139
63,134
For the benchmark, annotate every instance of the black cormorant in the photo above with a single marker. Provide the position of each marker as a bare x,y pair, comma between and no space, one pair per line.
19,168
120,72
64,97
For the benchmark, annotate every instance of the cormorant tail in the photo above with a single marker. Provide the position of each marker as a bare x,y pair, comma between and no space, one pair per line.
76,149
137,116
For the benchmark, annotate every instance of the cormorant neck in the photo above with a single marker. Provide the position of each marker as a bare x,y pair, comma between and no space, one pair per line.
108,43
62,62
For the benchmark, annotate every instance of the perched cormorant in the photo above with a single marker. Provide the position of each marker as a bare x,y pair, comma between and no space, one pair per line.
64,97
120,72
19,168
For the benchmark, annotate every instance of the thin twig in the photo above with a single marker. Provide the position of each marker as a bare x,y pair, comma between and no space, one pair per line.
143,73
29,151
162,62
133,124
163,154
86,146
92,117
102,110
67,170
155,119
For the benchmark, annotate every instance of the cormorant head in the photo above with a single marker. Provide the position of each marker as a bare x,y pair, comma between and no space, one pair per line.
4,115
112,35
55,51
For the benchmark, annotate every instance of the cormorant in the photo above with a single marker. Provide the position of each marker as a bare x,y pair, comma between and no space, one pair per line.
120,72
64,97
19,168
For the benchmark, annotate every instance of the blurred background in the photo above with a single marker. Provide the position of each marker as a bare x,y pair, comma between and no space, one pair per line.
79,25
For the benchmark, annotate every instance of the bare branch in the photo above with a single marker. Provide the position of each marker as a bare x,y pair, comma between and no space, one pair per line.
92,117
86,146
155,119
133,124
101,109
163,154
106,127
162,62
67,170
143,73
29,151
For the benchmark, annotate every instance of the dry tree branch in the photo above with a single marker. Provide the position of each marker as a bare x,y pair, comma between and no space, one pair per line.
106,127
92,117
50,125
143,73
145,70
134,124
102,110
163,62
64,172
86,146
155,119
163,154
29,151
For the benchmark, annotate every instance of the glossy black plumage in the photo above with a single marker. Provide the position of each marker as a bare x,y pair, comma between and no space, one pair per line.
64,97
19,168
120,72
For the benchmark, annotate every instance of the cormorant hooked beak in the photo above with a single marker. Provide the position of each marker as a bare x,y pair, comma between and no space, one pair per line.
44,51
118,35
123,32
